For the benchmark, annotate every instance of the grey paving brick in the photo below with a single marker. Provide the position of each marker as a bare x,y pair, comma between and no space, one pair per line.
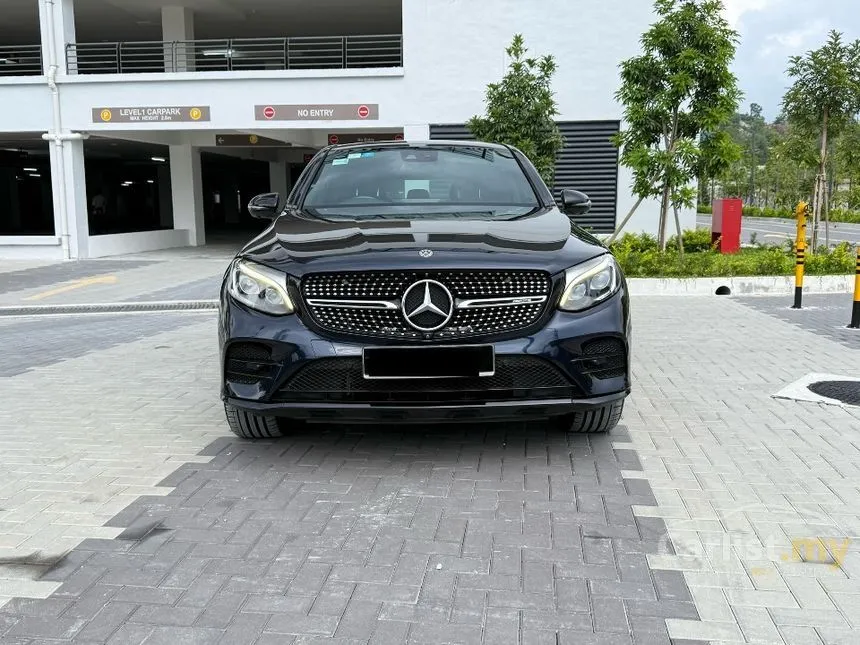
77,336
52,274
502,626
221,610
52,627
159,615
107,621
245,629
131,634
823,314
148,595
190,635
335,534
333,598
359,620
609,615
671,585
572,637
302,624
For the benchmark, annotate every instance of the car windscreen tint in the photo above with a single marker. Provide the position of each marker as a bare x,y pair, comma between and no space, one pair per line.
430,181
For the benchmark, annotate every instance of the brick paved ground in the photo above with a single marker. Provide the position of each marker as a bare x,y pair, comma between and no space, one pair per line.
136,518
824,314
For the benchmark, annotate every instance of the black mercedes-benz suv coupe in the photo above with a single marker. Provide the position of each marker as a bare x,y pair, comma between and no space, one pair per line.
423,282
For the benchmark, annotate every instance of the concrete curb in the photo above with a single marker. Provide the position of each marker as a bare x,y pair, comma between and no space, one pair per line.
773,285
110,307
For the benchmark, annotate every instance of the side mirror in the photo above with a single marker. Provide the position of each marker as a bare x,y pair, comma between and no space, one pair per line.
264,206
574,202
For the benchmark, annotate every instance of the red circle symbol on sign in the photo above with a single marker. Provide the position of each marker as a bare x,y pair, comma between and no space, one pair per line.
398,137
363,111
333,139
269,112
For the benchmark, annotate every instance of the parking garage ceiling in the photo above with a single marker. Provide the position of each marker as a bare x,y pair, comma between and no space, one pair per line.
124,20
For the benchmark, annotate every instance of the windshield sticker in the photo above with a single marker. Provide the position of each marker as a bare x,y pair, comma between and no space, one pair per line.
354,155
339,162
365,155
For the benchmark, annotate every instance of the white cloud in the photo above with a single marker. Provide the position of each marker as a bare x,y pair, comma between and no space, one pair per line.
794,41
735,9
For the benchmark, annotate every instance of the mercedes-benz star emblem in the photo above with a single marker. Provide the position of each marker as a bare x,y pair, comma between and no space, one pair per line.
425,253
428,305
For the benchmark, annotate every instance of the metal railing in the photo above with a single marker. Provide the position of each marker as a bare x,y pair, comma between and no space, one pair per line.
236,54
20,60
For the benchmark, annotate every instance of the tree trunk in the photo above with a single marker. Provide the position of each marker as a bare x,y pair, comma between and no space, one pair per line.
826,215
625,220
678,229
820,183
664,215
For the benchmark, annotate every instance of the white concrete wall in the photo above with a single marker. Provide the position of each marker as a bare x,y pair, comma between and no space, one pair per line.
25,104
452,50
125,243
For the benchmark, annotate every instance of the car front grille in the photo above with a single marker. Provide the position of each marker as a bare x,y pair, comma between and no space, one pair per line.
485,302
341,380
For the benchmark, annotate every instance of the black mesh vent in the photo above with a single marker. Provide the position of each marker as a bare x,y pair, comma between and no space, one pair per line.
248,363
604,358
463,284
341,379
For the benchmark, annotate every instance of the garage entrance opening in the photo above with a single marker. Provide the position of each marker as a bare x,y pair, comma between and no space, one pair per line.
230,182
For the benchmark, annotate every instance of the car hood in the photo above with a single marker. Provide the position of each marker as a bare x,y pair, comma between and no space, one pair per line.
298,243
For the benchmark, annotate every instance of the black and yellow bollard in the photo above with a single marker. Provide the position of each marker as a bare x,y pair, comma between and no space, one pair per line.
802,212
855,312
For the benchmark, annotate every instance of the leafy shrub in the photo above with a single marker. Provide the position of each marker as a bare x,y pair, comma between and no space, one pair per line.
840,260
772,260
636,243
694,240
836,214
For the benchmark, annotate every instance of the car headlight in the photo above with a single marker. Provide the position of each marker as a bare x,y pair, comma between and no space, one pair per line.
260,288
590,283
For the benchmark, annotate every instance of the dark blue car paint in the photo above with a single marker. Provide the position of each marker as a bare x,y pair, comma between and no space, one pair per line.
297,243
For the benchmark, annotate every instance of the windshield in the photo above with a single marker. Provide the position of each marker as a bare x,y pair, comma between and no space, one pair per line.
428,181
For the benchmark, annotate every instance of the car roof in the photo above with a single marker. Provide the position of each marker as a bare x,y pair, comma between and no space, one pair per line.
409,143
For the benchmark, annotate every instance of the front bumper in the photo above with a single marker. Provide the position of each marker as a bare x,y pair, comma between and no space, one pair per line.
305,375
520,410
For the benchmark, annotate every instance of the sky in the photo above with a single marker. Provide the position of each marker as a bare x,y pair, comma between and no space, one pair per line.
773,30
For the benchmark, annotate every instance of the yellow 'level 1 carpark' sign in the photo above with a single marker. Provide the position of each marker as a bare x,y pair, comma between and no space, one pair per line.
152,113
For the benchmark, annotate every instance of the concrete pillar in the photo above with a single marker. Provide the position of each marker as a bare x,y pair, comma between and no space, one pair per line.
186,181
177,26
416,132
64,31
69,186
279,179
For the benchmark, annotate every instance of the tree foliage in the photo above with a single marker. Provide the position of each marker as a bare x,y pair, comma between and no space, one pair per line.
823,101
520,110
676,96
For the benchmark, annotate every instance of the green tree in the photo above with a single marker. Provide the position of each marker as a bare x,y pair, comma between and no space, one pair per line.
521,110
676,95
848,167
822,102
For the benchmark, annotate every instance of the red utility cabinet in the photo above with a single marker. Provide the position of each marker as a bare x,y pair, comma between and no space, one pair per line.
726,224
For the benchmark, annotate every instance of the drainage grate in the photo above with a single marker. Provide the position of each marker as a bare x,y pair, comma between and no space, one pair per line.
110,307
848,392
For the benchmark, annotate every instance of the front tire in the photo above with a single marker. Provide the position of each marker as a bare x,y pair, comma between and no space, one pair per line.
249,425
595,420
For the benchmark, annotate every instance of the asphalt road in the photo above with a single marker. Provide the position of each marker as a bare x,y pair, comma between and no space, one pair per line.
774,231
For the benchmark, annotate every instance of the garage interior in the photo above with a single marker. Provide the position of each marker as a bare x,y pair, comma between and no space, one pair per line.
129,186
